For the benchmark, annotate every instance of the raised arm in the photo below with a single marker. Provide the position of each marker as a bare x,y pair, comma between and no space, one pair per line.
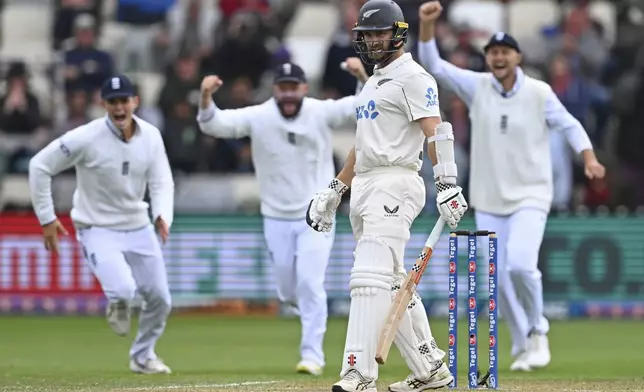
59,155
460,81
343,111
225,124
560,120
340,112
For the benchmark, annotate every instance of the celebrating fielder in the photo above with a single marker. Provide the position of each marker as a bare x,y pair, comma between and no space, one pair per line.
293,156
511,172
396,110
115,158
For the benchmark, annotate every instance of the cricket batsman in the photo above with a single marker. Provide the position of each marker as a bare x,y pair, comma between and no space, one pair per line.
396,111
511,185
116,157
293,157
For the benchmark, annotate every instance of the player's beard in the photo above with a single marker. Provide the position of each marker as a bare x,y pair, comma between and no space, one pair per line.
289,108
289,104
379,54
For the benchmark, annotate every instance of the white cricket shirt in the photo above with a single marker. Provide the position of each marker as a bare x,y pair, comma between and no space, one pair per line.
510,163
111,176
387,109
293,158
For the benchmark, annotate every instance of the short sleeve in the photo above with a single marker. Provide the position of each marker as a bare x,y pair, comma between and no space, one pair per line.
420,97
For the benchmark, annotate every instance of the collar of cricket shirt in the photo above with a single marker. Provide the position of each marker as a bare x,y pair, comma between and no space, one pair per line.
517,84
116,131
393,65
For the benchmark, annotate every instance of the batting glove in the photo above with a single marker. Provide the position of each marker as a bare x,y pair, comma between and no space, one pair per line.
451,203
321,212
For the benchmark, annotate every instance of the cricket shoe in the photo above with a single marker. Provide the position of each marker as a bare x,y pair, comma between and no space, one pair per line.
352,382
118,317
538,351
440,377
151,366
308,367
521,363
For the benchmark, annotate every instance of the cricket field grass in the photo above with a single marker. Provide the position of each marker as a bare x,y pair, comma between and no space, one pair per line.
254,354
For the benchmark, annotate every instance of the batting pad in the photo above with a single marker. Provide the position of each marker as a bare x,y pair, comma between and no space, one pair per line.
420,323
414,337
370,285
427,344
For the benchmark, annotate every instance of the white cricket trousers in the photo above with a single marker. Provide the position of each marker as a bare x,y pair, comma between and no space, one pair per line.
384,203
127,261
300,257
520,287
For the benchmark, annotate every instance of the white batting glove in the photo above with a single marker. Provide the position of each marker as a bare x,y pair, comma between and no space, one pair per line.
322,208
451,203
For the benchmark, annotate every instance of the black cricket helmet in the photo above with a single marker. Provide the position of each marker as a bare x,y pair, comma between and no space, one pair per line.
379,15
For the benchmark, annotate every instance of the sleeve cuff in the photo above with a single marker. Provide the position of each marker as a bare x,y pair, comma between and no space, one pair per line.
207,114
359,87
428,50
586,145
430,45
47,219
168,221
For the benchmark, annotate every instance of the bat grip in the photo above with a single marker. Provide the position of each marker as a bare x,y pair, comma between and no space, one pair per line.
435,234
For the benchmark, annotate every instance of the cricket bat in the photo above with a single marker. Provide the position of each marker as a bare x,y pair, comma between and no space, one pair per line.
403,297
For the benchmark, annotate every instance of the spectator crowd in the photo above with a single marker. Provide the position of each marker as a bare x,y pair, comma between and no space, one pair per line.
600,81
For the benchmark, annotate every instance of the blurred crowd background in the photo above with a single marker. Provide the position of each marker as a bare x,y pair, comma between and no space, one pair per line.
54,56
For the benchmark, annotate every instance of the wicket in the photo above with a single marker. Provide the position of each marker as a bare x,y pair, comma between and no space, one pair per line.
474,380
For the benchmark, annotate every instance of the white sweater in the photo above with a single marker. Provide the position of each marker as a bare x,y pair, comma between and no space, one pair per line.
510,166
293,158
111,176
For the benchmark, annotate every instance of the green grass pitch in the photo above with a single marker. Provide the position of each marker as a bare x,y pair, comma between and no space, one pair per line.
216,353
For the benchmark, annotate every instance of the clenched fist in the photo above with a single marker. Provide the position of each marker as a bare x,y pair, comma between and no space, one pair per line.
354,66
430,11
210,85
594,169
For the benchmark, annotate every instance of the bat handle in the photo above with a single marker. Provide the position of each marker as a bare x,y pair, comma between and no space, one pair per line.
435,234
344,66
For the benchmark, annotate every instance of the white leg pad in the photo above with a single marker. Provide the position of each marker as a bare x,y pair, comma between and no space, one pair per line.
420,322
414,337
370,285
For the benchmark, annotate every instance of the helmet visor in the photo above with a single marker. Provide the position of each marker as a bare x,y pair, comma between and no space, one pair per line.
376,44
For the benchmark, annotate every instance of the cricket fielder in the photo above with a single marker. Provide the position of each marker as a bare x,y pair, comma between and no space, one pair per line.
293,156
511,184
396,110
115,158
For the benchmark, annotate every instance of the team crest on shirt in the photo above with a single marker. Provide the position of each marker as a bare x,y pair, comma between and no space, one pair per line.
432,97
383,81
65,150
367,111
